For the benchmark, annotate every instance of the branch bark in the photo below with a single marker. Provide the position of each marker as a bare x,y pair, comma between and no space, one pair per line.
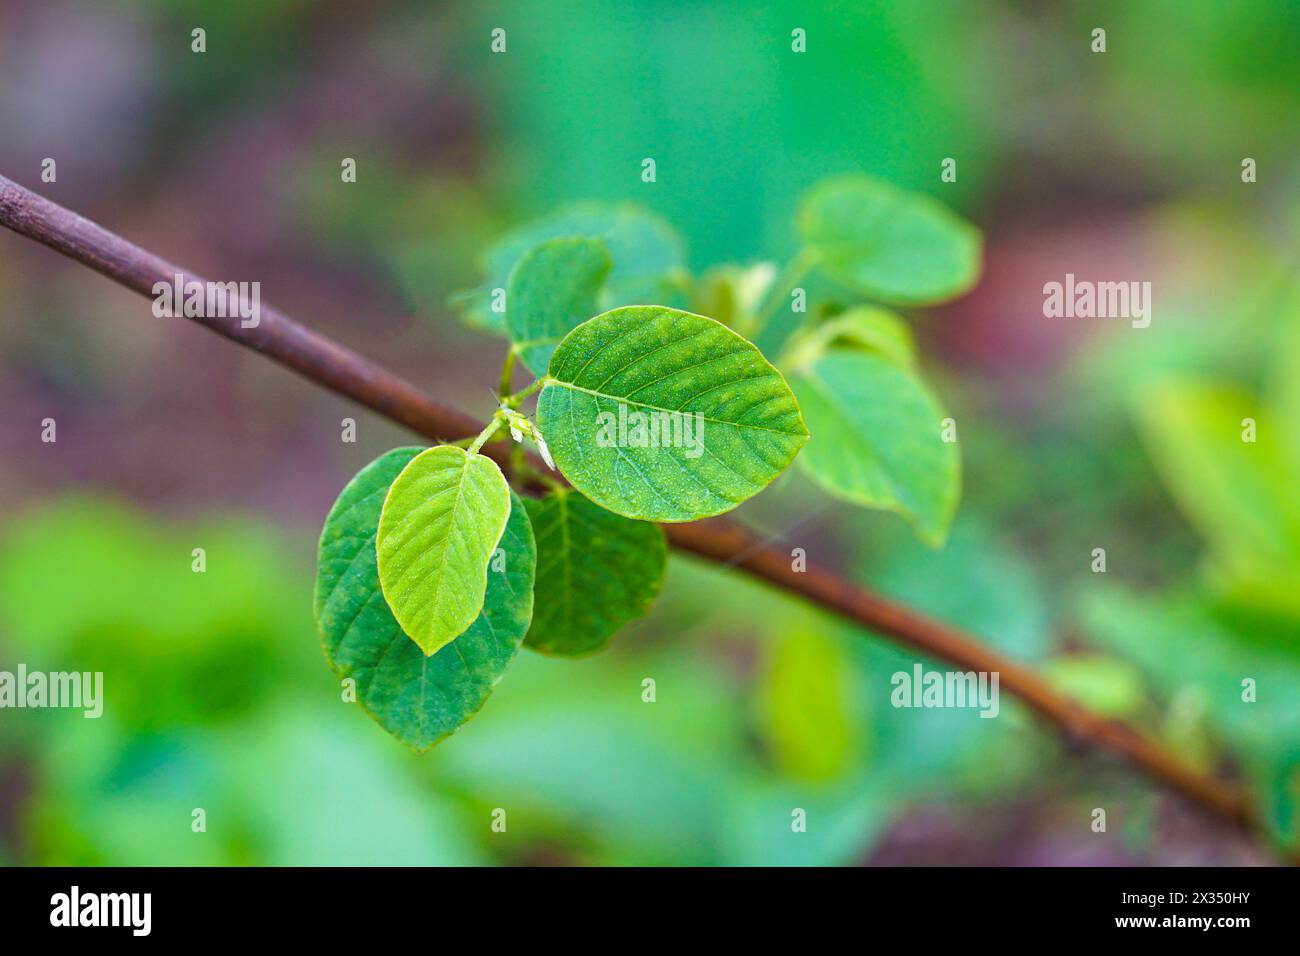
347,373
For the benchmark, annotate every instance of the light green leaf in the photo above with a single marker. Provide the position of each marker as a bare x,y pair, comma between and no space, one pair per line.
1239,494
866,327
646,252
553,289
1109,686
419,700
805,711
732,294
664,415
443,517
877,439
595,572
1284,390
889,244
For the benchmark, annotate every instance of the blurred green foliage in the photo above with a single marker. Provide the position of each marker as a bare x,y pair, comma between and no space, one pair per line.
220,703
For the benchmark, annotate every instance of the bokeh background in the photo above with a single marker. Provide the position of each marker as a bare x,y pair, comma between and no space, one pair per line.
1075,434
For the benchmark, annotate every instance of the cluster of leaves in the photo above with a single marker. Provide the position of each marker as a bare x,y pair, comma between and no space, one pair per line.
433,570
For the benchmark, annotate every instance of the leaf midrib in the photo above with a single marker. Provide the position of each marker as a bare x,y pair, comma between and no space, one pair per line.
670,411
451,528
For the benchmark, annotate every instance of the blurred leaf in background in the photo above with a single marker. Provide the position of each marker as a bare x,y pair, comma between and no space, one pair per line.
645,260
809,725
1223,456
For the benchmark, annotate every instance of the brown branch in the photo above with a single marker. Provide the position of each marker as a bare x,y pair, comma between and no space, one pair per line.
343,371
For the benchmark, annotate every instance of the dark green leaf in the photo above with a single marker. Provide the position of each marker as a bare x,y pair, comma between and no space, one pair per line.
418,699
595,572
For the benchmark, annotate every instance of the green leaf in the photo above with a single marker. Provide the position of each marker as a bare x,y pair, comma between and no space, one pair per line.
1239,494
1284,384
733,294
419,700
865,327
595,572
646,253
889,244
806,716
553,289
1109,686
660,414
443,517
877,439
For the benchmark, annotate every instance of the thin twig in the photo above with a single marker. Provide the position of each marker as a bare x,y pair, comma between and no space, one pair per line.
341,370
